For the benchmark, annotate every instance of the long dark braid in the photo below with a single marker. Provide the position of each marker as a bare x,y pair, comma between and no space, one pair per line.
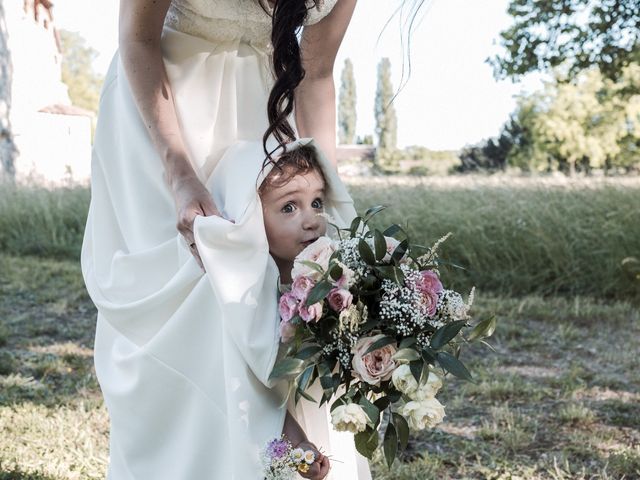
287,19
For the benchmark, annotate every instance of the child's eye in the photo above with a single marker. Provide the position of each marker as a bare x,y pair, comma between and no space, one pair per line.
318,203
288,208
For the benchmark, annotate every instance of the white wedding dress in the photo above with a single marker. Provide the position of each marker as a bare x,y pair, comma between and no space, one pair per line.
183,357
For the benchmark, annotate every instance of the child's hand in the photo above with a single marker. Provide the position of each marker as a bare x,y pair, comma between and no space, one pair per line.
320,467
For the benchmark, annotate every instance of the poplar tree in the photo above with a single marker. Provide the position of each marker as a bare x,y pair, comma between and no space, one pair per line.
386,120
347,105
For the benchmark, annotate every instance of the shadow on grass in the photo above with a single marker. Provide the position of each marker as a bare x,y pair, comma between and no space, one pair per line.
20,475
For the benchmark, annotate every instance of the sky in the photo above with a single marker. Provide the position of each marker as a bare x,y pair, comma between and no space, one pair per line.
451,98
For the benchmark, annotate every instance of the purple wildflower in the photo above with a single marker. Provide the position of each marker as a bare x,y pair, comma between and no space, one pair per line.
277,448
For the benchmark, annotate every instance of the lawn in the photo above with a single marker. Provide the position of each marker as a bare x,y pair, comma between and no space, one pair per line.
558,399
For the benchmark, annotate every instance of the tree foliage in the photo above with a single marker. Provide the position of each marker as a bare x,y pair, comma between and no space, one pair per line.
77,71
347,105
575,34
385,113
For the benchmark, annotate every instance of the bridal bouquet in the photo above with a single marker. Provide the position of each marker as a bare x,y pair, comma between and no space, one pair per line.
368,315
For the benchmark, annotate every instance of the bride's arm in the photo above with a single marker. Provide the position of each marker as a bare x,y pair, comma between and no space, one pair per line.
140,30
315,97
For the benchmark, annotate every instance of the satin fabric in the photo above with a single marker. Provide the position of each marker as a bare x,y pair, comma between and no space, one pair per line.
183,357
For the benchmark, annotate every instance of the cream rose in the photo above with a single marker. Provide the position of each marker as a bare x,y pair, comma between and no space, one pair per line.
404,380
318,252
429,389
349,418
421,414
375,366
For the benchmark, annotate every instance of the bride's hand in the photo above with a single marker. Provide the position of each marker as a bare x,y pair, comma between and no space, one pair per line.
321,465
192,198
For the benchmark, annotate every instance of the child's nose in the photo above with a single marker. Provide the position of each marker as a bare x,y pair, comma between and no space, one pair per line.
311,220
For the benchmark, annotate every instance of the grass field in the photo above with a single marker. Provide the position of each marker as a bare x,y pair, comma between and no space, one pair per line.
557,400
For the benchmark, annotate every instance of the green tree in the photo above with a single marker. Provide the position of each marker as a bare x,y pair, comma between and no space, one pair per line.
385,113
576,34
77,71
347,105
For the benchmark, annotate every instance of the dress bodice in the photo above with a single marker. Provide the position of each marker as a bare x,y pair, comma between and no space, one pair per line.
232,20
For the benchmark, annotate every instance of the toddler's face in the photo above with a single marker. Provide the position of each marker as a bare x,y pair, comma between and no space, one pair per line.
291,215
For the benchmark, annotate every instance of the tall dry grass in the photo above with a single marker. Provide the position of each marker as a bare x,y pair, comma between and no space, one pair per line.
512,235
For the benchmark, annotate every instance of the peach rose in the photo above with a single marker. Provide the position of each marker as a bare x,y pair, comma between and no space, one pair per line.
312,313
301,287
339,299
288,306
375,366
318,252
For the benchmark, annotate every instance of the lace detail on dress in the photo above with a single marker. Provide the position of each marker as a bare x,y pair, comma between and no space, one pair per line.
231,20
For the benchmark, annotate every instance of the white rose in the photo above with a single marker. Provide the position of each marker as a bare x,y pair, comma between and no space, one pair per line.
429,389
349,418
421,414
318,252
404,380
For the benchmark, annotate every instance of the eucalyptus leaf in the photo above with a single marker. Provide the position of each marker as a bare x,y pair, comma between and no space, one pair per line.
366,442
371,410
305,377
406,355
446,333
399,251
373,211
318,293
402,427
407,342
355,224
382,403
484,329
392,230
416,369
452,365
390,444
312,265
381,342
380,244
287,367
366,253
308,351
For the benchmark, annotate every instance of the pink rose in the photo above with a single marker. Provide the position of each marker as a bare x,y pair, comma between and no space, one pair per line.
287,331
339,299
375,366
301,287
288,306
318,252
430,287
311,313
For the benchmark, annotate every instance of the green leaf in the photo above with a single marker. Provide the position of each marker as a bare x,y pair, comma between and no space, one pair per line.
305,395
446,333
318,293
391,272
308,351
355,224
406,354
305,377
366,442
287,367
399,251
390,444
382,403
371,410
402,428
312,265
416,369
380,244
373,211
381,342
452,365
484,329
407,342
366,253
428,355
392,230
335,272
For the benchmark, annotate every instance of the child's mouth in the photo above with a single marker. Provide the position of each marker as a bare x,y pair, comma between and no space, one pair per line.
309,242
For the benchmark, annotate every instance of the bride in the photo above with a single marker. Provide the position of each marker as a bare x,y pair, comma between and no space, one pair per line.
187,326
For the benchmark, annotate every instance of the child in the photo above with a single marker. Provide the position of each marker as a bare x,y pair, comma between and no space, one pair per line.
292,196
